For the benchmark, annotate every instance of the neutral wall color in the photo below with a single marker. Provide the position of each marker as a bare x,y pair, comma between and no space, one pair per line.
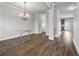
76,29
36,22
10,23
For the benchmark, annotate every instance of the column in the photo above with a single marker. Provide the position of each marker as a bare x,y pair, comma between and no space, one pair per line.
50,24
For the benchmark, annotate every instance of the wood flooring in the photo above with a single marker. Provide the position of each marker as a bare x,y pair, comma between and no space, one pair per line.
37,45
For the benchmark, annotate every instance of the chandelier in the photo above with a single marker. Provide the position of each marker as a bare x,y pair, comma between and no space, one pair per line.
24,15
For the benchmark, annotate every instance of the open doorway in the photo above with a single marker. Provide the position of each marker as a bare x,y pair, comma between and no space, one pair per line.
67,30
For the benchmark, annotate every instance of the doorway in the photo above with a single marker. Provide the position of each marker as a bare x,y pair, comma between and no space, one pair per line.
67,30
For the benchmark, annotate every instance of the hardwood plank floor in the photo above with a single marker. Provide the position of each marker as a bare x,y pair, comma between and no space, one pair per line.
40,46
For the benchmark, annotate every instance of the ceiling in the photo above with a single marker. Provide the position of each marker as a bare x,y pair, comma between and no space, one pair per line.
43,6
30,6
62,6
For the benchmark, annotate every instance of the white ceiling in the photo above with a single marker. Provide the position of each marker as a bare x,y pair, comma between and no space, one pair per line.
30,6
62,6
43,6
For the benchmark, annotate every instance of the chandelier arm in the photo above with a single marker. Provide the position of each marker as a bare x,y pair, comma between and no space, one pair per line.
25,15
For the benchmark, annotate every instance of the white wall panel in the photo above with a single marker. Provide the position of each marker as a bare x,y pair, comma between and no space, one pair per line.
10,23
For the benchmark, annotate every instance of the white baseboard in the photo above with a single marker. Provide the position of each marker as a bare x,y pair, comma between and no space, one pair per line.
37,33
51,38
7,38
76,47
47,34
